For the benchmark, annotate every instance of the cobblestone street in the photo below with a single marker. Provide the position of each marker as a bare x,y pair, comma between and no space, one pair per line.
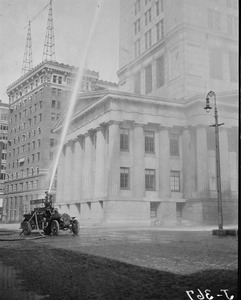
122,263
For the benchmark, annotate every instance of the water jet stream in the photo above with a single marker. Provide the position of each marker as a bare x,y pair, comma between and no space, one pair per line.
73,98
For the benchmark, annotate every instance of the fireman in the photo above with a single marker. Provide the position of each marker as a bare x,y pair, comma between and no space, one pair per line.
48,200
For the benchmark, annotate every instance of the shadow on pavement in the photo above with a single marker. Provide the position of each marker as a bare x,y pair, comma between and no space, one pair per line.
62,274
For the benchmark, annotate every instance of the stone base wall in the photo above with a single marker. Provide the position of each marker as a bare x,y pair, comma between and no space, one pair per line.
121,212
195,212
205,211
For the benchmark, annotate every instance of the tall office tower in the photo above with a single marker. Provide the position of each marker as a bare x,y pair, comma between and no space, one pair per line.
3,149
178,49
36,101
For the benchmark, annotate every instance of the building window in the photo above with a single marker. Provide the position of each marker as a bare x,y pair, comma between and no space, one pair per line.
160,30
124,178
160,72
137,83
159,7
38,156
150,179
39,143
54,91
137,26
58,104
174,145
148,16
175,181
124,139
54,79
52,142
153,209
52,116
148,78
51,155
60,80
137,6
215,63
53,103
137,47
148,41
40,117
149,141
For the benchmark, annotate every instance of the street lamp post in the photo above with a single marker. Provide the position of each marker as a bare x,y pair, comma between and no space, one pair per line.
218,173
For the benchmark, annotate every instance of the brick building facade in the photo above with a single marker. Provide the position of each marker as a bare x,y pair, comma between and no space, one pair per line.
36,102
3,150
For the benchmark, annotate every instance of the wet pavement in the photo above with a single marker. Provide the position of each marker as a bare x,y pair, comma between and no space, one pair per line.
11,285
180,251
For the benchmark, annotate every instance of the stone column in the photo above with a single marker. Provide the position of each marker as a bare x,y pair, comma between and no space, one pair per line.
87,172
60,178
68,184
138,162
77,170
224,163
100,164
165,190
113,175
189,165
202,162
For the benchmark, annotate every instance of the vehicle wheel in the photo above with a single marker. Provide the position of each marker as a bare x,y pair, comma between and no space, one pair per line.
26,228
55,227
75,226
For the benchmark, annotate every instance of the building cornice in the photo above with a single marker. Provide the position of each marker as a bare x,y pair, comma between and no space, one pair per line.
116,96
47,66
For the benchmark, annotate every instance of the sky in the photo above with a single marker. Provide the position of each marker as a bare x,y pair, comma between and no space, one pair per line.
72,21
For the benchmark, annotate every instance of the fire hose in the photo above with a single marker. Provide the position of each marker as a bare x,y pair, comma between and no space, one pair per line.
8,233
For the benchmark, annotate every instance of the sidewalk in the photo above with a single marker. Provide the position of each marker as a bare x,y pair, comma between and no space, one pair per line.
16,226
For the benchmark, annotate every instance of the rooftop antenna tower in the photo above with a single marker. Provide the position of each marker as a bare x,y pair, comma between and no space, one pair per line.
49,45
27,59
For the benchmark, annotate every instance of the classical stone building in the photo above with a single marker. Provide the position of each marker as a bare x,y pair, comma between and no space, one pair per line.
147,152
178,49
130,158
36,102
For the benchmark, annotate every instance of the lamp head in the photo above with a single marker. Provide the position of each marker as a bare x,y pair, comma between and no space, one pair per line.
207,107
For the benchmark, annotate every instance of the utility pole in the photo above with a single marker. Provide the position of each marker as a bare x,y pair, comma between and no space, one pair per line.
218,172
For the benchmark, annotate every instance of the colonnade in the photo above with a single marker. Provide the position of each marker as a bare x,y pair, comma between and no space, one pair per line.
89,167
